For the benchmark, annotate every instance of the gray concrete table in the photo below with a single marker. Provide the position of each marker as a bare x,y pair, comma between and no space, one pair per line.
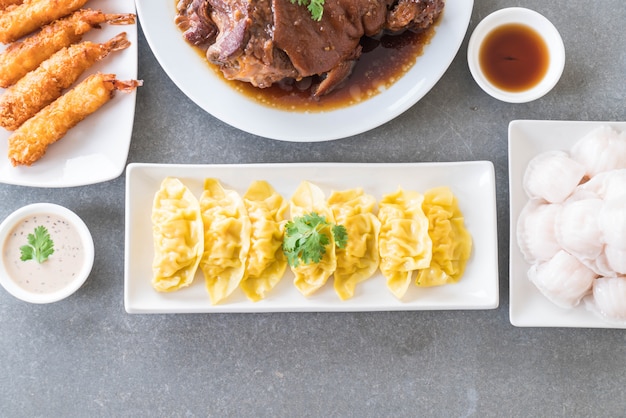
86,356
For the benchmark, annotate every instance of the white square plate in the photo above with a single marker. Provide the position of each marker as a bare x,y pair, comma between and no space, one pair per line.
472,182
527,138
96,149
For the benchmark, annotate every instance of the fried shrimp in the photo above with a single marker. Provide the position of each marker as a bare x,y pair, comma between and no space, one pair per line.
24,56
29,16
30,141
42,86
6,3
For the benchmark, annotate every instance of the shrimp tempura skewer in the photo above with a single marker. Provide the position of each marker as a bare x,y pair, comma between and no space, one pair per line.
24,56
31,15
30,141
41,87
6,3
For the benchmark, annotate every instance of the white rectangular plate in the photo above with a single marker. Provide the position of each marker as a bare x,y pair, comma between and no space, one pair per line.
96,149
472,182
527,138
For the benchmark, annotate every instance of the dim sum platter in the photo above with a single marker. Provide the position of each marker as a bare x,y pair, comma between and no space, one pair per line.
528,138
472,182
188,70
97,148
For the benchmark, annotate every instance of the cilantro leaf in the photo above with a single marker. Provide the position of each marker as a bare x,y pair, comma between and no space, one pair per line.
315,7
307,237
40,245
341,235
28,252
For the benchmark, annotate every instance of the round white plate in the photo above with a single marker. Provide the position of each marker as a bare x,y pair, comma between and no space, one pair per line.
189,71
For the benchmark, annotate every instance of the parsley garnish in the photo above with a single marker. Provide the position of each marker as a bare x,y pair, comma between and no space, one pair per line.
306,238
316,7
40,246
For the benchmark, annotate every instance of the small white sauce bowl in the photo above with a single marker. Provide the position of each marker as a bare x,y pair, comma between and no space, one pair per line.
86,241
543,27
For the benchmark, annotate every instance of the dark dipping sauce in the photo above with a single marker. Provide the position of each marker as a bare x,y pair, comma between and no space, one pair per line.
383,61
514,57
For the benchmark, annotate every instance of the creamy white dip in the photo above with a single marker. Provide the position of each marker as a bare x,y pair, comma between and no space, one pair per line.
59,269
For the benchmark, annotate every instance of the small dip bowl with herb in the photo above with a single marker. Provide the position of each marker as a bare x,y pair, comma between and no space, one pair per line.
47,253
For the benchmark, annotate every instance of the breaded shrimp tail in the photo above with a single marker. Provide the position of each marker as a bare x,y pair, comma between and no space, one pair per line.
29,16
120,19
41,87
31,140
24,56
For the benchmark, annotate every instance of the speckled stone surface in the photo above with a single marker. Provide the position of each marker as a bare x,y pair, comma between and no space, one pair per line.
85,356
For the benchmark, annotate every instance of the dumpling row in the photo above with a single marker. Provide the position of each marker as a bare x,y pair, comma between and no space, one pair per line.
423,235
411,235
356,262
237,242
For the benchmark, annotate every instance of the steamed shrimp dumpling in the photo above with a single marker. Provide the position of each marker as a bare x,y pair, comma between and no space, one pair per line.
608,299
359,259
536,233
266,262
578,230
306,199
602,149
226,239
599,265
616,259
178,236
563,279
552,176
612,222
404,243
452,242
608,185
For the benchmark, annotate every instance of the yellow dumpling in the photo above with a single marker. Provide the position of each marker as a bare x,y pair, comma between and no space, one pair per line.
226,239
358,261
266,263
310,277
404,243
452,242
177,234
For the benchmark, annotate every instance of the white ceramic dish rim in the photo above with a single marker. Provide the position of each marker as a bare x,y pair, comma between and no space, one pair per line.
86,240
97,148
473,182
527,306
185,67
540,24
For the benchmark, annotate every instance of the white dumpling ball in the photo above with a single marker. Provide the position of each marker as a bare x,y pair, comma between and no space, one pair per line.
608,299
552,176
608,185
602,149
577,228
612,222
536,235
615,259
600,265
563,279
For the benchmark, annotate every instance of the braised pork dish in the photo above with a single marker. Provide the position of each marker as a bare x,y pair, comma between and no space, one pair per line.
263,42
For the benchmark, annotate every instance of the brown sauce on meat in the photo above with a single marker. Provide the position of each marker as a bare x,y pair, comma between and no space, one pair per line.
514,57
382,62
